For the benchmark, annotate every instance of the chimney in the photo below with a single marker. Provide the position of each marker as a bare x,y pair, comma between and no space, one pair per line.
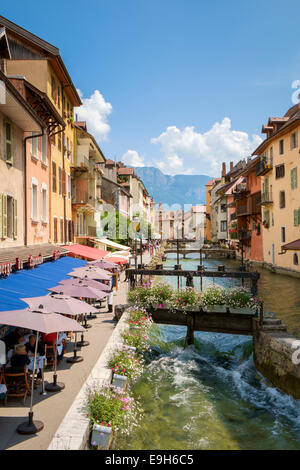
223,170
231,166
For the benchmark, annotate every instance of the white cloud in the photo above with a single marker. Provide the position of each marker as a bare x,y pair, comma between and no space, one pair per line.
95,111
132,158
188,151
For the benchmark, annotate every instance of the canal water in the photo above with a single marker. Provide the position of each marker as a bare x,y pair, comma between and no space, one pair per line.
210,396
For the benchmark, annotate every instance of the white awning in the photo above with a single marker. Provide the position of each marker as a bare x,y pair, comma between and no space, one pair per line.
105,241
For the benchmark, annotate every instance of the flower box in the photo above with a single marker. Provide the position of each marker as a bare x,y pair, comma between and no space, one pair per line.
119,381
242,310
101,436
215,308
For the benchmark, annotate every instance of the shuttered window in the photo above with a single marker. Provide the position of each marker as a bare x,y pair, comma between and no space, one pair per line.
44,149
294,182
294,140
8,142
15,215
280,171
281,147
62,230
282,199
296,217
55,229
59,180
64,187
54,180
34,148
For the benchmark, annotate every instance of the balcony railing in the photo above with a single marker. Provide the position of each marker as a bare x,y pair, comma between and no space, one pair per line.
242,209
262,168
266,198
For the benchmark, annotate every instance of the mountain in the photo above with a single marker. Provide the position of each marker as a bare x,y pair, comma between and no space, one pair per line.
179,189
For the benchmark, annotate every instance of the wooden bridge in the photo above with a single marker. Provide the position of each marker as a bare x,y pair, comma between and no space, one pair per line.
208,252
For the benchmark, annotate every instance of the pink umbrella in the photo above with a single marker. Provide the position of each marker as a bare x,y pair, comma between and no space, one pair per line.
103,264
89,282
65,305
84,291
91,273
43,322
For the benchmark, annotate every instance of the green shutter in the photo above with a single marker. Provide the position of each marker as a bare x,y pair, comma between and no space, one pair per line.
8,142
294,182
15,206
4,216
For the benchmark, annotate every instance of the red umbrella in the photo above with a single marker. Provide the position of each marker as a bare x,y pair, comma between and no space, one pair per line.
88,282
117,259
43,322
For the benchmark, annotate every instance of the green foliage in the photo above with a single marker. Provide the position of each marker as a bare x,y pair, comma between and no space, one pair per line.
126,364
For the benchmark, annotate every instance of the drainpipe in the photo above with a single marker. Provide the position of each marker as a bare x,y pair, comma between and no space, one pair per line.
25,180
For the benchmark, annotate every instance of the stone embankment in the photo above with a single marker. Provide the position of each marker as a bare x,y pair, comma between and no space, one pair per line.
277,355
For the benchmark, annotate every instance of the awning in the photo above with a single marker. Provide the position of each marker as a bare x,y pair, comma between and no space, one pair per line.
34,282
110,243
117,259
295,246
86,252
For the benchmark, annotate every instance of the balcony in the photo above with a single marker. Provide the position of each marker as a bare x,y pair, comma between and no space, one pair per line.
242,209
82,163
266,198
262,168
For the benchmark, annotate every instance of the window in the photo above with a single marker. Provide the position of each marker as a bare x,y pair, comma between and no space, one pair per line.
44,149
59,180
53,89
294,140
280,171
59,141
266,219
44,204
295,259
223,225
34,200
8,142
68,147
58,95
53,140
34,149
282,231
64,183
282,199
62,230
54,184
294,182
281,147
8,217
69,186
296,217
271,157
55,229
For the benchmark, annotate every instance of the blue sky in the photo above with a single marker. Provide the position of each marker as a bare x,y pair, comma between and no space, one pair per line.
183,84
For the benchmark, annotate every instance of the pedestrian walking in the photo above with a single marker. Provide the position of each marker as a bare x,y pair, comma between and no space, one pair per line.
110,301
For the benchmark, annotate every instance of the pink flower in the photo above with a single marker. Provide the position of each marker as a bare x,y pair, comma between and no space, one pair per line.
102,424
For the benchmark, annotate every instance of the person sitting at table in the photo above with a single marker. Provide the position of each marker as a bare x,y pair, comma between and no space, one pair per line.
19,359
49,339
30,347
12,338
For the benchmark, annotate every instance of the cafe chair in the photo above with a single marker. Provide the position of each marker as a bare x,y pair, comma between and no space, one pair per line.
17,384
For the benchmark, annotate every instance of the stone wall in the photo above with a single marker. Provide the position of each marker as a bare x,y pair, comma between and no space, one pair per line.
275,356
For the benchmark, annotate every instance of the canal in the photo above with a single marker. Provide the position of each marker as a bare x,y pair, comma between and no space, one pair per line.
210,395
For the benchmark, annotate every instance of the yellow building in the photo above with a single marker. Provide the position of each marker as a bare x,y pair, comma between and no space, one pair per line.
41,64
279,168
207,227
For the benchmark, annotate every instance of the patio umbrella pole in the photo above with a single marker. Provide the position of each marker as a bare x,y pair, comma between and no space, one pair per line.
75,358
30,426
90,316
86,325
83,343
43,392
55,386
